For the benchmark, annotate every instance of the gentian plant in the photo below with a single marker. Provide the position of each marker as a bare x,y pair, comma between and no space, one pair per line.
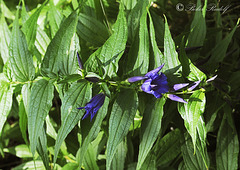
85,85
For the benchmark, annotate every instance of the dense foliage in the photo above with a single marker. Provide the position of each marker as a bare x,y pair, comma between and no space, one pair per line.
126,84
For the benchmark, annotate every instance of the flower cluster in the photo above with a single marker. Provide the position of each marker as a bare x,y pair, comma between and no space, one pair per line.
154,84
157,85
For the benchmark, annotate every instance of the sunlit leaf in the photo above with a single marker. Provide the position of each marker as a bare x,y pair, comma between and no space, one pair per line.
192,111
122,114
151,125
39,105
20,58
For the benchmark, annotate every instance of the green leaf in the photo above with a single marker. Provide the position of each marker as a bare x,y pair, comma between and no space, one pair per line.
7,13
90,161
78,95
6,92
39,105
198,31
142,61
193,159
5,39
42,41
150,128
21,151
31,165
123,111
202,132
113,48
20,58
42,148
170,59
93,131
192,111
58,48
7,71
189,70
120,156
55,18
129,4
23,121
155,61
168,147
227,143
149,162
218,53
70,166
69,63
134,18
91,30
30,27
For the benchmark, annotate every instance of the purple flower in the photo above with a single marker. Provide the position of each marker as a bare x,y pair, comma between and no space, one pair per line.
79,61
211,79
176,98
94,105
177,87
194,85
157,85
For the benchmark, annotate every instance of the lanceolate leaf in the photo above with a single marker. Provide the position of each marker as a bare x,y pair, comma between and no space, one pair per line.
120,156
58,48
169,147
122,114
77,96
6,92
189,70
170,59
42,148
158,56
30,27
151,126
198,31
192,111
23,120
20,58
91,30
39,106
134,18
142,61
193,159
70,61
219,51
113,48
55,18
5,39
93,132
42,41
227,143
90,161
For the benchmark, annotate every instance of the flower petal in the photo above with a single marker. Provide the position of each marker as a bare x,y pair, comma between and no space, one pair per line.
153,72
194,85
136,78
79,61
176,98
88,112
179,86
93,105
146,86
157,94
211,79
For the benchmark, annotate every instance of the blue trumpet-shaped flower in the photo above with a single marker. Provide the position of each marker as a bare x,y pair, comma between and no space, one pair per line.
157,85
93,105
